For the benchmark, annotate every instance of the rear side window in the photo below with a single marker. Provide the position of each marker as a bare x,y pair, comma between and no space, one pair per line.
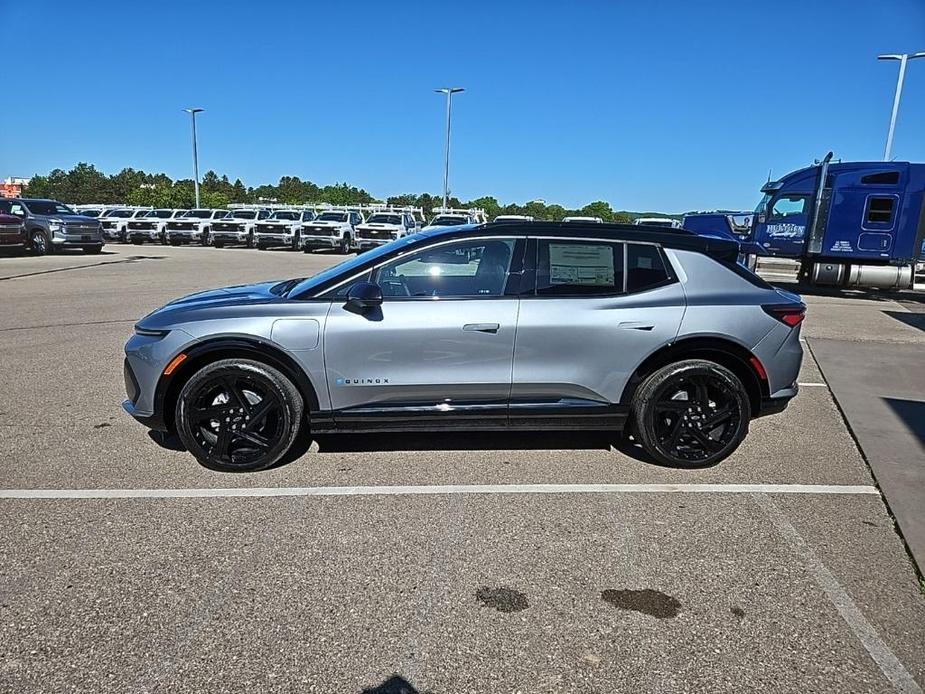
645,268
578,268
880,209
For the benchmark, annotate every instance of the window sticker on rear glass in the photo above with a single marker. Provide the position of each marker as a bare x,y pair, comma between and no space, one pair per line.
581,264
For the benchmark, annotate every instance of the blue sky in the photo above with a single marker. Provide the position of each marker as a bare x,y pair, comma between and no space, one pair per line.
648,105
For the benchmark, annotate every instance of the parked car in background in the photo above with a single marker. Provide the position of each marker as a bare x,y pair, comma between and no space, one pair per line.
332,229
665,222
13,233
237,228
282,228
382,227
192,227
115,222
51,225
152,226
513,218
592,220
658,332
95,211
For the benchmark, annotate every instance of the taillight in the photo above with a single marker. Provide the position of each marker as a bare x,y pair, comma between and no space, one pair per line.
789,314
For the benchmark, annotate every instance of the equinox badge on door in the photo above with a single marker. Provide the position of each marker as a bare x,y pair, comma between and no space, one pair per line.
361,381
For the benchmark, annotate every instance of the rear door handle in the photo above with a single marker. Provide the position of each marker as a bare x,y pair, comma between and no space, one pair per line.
481,327
635,325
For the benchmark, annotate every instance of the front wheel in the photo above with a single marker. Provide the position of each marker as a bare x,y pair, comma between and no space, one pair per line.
692,413
93,250
38,242
239,415
345,244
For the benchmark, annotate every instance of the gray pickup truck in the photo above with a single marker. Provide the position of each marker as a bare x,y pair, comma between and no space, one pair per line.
52,226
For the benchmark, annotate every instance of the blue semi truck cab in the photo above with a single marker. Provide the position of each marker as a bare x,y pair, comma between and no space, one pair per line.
850,224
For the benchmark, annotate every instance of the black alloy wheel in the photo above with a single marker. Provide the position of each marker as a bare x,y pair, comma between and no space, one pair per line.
38,243
238,415
691,414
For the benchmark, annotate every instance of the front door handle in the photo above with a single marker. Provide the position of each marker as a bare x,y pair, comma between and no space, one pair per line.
481,327
635,325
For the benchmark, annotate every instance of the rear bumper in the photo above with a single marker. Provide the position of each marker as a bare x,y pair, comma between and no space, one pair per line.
778,401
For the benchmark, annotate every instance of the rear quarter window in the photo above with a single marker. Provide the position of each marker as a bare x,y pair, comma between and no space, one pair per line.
645,268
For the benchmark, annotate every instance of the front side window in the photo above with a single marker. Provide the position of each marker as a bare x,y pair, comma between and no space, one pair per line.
575,268
477,268
788,206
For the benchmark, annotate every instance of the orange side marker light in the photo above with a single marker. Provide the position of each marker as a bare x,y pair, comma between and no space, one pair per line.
174,363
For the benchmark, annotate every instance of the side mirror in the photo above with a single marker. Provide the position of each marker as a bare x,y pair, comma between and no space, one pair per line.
364,295
761,219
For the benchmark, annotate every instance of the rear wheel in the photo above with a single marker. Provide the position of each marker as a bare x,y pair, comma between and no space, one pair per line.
238,415
692,413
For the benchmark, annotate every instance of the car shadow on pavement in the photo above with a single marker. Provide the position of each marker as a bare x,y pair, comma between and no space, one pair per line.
465,441
913,320
912,414
396,684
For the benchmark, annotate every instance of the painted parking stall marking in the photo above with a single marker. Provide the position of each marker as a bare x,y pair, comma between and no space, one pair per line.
438,489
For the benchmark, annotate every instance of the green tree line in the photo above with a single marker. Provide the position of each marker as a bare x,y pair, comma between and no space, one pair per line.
85,184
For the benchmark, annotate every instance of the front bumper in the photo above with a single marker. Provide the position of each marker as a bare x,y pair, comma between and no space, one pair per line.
183,235
75,241
144,235
230,236
265,239
371,243
309,242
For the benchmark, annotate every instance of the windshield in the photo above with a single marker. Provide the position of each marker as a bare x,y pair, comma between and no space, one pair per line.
199,214
244,214
358,261
332,217
120,214
46,207
447,221
220,214
287,215
384,219
656,223
160,214
91,213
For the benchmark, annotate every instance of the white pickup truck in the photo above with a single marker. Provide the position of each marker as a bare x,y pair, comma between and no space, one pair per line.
237,228
151,227
333,229
115,222
382,227
282,228
193,227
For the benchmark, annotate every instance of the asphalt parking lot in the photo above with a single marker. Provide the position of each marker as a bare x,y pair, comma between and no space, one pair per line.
451,563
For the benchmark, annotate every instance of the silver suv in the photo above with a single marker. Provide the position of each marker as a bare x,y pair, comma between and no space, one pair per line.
499,326
51,225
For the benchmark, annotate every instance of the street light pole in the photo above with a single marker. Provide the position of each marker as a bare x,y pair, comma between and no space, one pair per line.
449,91
903,58
192,112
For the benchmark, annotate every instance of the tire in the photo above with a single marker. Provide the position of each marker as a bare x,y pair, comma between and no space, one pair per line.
251,243
219,244
215,409
38,243
344,245
93,250
137,242
672,406
174,242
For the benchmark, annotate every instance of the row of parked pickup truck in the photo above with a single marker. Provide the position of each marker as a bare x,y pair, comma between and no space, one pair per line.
344,229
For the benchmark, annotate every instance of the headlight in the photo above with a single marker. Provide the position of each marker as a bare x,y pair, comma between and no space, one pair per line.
144,332
56,226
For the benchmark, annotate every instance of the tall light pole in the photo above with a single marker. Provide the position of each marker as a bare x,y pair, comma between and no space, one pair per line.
192,112
449,91
903,58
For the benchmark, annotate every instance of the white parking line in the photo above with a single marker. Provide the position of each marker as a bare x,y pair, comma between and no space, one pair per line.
411,490
886,660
